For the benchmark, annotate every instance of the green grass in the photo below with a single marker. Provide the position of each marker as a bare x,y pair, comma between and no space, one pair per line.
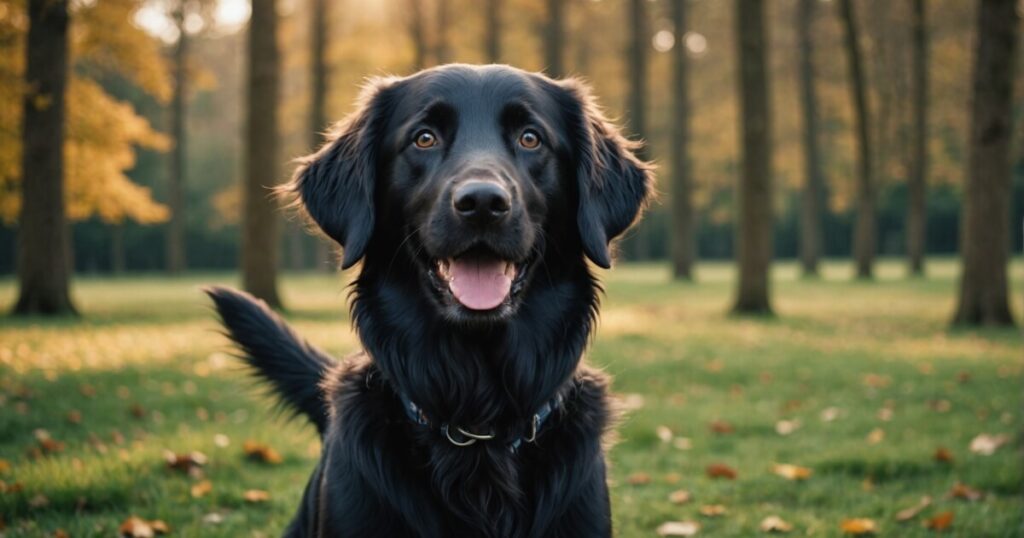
152,342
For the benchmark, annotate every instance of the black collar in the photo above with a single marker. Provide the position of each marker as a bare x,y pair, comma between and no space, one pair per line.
461,437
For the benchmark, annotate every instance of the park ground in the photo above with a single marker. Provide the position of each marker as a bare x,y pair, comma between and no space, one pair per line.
861,383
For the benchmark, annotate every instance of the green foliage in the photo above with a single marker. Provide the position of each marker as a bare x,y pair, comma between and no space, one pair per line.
673,345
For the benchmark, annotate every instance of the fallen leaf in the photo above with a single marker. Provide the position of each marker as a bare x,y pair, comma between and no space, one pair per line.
721,427
74,416
885,414
786,427
262,453
859,526
965,492
221,440
678,528
256,496
679,496
719,470
940,522
791,472
638,479
910,513
201,488
5,466
943,455
775,524
829,414
61,533
664,433
712,510
986,445
213,518
136,527
137,411
190,463
876,436
963,377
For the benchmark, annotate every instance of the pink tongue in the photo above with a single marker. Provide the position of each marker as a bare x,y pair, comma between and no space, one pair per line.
479,284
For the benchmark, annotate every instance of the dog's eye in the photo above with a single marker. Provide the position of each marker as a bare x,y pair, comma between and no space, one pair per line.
425,139
529,139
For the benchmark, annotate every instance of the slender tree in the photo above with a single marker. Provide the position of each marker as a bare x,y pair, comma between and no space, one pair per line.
754,226
684,250
418,33
554,39
319,72
259,218
636,53
916,188
442,48
44,265
176,259
864,227
492,35
985,234
813,192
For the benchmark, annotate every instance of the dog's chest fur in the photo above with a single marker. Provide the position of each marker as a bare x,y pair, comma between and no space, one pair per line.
409,475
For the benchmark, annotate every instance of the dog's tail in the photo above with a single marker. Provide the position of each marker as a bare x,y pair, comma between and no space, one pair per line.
276,354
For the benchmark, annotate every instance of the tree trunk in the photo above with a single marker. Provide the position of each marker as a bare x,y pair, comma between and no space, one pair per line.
683,218
492,39
637,61
260,220
812,196
864,228
916,189
117,248
318,121
442,49
554,38
44,264
176,178
984,241
419,34
754,226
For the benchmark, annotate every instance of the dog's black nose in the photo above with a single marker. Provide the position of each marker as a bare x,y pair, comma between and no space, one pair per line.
481,202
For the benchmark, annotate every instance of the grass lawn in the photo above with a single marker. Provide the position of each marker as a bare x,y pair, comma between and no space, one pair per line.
146,371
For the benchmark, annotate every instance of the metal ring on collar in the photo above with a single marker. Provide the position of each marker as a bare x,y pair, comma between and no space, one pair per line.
453,441
533,429
478,436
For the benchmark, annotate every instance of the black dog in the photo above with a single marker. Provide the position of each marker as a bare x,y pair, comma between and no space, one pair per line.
473,196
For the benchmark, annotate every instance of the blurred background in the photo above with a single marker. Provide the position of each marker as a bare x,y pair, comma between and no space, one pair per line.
853,167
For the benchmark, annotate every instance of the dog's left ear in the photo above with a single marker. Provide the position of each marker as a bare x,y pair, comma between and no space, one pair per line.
335,186
614,184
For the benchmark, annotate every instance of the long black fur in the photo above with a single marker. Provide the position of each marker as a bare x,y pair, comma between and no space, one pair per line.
380,473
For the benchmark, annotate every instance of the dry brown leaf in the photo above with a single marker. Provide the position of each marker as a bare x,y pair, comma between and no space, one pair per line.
876,436
965,492
136,527
943,455
137,411
939,522
829,414
791,472
256,496
720,470
74,416
61,533
201,488
260,452
722,427
664,433
986,445
678,528
679,496
190,463
638,479
859,526
712,510
775,524
910,513
786,427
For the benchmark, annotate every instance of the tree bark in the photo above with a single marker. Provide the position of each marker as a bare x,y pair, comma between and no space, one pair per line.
684,220
176,179
260,227
44,263
418,32
637,60
917,187
864,227
318,121
442,49
492,37
984,240
554,39
754,226
813,192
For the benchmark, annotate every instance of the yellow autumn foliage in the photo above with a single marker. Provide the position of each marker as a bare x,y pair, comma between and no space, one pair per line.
101,132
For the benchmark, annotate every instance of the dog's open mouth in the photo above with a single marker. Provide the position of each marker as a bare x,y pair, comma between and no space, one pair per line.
480,280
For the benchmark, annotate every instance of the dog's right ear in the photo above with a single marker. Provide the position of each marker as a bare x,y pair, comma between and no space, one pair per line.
335,186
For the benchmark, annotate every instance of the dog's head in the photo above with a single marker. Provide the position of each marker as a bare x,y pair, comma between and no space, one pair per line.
472,172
